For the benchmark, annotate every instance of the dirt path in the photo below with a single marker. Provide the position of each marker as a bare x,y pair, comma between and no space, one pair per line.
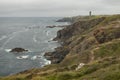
92,53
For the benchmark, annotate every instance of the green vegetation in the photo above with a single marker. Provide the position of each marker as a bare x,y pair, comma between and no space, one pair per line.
108,50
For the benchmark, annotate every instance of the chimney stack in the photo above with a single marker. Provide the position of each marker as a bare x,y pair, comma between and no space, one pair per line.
90,14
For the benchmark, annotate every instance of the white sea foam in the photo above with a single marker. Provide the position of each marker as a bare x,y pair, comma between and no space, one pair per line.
47,62
47,33
34,57
29,50
34,38
51,39
39,56
23,57
8,50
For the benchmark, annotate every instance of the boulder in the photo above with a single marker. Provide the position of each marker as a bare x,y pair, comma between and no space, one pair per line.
18,50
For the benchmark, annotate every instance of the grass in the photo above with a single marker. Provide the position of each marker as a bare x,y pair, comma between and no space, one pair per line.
110,19
107,50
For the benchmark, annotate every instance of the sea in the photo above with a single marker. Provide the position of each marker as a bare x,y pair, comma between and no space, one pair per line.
31,34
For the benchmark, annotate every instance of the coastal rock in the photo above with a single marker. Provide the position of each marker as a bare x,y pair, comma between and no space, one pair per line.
57,56
54,26
66,19
18,50
76,28
50,26
103,35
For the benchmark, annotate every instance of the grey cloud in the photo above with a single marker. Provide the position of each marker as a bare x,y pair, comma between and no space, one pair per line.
57,7
111,2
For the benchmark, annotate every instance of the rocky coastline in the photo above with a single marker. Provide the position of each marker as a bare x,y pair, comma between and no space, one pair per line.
90,50
63,35
60,52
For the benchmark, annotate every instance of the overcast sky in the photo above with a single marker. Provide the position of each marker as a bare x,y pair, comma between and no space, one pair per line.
55,8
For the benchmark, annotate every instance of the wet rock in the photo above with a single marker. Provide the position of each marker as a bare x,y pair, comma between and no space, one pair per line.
57,56
18,50
54,26
50,26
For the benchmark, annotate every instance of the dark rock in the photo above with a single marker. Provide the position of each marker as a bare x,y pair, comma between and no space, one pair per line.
18,50
76,28
54,26
50,26
57,56
67,19
103,35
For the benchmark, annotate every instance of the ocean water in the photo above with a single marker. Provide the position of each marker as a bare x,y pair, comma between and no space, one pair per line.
29,33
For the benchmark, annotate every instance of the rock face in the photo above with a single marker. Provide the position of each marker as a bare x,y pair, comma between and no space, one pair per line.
18,50
77,28
65,34
57,56
107,34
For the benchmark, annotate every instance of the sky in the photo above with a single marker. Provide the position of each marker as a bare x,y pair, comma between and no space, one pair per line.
57,8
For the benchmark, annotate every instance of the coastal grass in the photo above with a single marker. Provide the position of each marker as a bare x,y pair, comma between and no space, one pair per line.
92,71
108,49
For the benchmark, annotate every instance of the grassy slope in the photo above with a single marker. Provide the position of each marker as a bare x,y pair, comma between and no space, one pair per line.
98,47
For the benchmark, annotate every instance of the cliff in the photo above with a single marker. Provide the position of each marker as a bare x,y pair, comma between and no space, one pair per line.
90,51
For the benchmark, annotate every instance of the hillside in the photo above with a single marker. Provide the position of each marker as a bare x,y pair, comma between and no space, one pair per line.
90,51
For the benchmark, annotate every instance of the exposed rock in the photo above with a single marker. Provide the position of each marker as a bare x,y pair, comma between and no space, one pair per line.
18,50
67,19
57,56
77,28
50,26
54,26
79,66
107,34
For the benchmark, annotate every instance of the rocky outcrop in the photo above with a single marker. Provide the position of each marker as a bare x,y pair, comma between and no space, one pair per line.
18,50
65,34
50,26
57,56
54,26
77,28
67,19
103,35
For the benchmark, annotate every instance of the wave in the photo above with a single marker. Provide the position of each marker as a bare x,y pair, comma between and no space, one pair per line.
23,57
10,37
8,50
7,42
47,33
34,57
3,37
34,39
47,62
